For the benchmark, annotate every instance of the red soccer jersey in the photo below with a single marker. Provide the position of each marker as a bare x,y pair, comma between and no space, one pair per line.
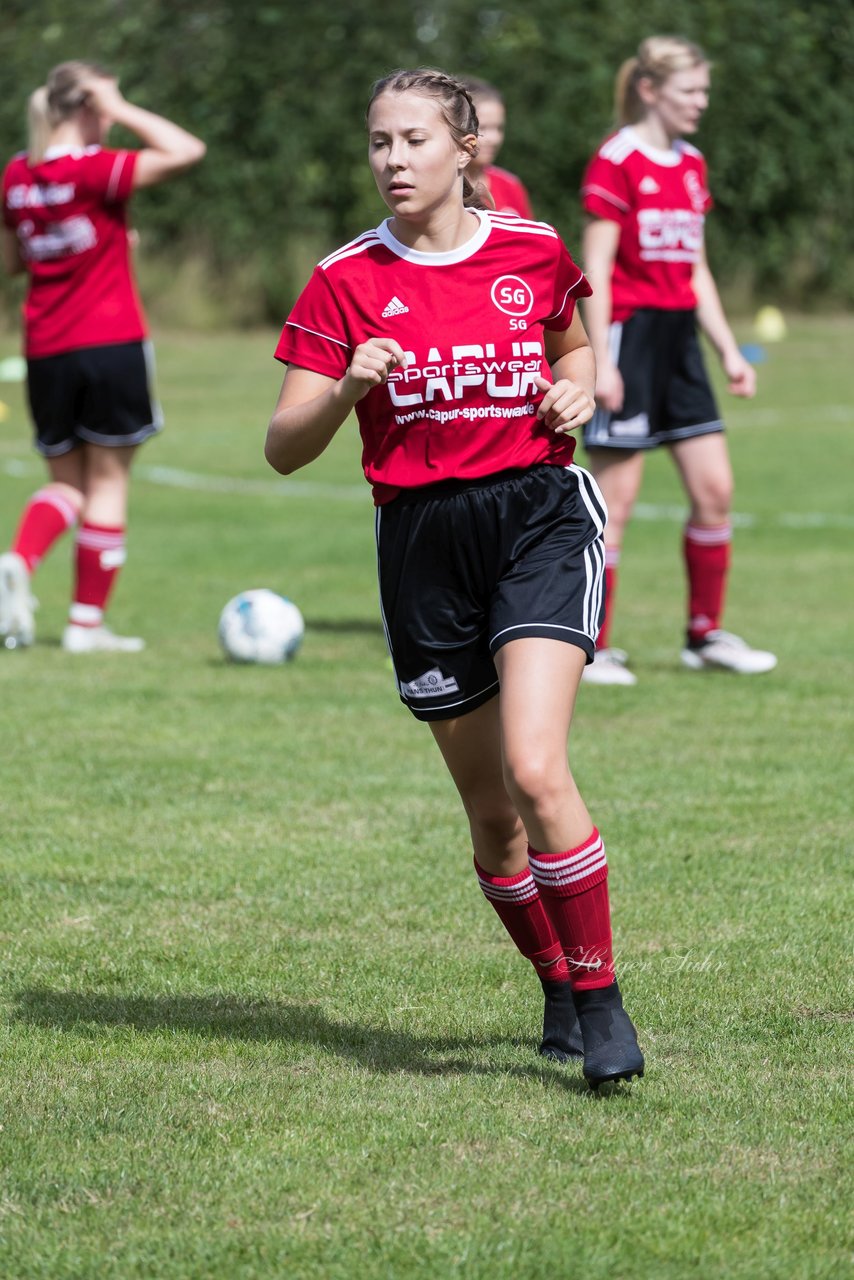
507,191
69,216
659,200
471,323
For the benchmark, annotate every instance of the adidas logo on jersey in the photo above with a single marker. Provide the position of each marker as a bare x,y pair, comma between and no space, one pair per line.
648,186
394,308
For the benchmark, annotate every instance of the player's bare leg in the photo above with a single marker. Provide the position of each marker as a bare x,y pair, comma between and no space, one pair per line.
100,551
706,473
471,747
619,474
50,512
539,682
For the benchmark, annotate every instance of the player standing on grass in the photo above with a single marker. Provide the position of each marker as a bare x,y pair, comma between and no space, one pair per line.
506,191
64,209
453,333
647,196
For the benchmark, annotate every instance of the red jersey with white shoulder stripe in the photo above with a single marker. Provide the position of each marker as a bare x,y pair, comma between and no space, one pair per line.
659,199
471,323
507,191
69,215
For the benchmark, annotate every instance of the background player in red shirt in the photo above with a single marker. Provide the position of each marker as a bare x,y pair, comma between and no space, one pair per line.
646,193
506,190
453,333
64,210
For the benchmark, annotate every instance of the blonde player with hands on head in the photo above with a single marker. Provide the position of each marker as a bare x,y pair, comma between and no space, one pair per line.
453,333
646,194
65,225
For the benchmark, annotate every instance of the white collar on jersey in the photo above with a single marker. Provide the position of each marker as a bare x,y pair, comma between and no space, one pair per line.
56,153
420,258
672,156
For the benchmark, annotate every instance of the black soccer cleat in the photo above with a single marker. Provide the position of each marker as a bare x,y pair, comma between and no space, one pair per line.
611,1050
561,1032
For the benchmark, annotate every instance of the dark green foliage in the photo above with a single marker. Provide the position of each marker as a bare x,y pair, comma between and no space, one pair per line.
278,92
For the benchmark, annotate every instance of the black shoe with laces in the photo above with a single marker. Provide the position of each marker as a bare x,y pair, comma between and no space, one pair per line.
611,1050
561,1032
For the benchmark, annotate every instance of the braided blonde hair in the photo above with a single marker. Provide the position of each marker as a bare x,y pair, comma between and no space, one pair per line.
458,112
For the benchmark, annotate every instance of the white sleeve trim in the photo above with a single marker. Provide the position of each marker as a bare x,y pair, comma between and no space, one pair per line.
115,176
293,325
606,195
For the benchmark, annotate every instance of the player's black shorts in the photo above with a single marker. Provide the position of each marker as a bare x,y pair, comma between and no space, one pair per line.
98,394
466,566
668,395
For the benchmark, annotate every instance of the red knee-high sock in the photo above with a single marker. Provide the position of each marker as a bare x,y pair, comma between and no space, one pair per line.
46,517
100,553
519,908
612,560
707,557
574,889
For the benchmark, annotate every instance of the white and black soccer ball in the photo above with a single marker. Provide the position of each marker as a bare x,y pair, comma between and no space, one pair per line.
261,626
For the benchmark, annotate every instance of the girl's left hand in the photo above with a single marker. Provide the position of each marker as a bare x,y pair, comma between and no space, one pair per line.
741,375
102,95
565,405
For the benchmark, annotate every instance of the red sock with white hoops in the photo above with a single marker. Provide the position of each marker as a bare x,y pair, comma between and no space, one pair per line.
100,553
46,517
521,911
612,560
573,886
707,556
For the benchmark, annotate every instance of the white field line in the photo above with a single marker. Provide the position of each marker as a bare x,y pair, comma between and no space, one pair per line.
174,478
812,416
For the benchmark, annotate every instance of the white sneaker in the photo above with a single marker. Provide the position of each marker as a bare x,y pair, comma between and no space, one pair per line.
17,626
609,667
722,651
98,640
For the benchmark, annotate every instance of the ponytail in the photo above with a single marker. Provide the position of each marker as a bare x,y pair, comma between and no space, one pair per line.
476,194
628,108
59,99
38,125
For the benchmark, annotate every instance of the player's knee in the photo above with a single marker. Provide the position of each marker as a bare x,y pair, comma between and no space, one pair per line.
69,493
535,782
620,507
493,824
714,503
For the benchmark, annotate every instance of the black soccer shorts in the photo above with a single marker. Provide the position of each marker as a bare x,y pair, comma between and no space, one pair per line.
467,566
98,394
668,394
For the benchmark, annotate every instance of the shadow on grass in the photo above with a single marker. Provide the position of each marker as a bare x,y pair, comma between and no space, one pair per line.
380,1049
364,625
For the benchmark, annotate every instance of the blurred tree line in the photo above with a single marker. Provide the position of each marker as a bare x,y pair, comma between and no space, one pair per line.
278,89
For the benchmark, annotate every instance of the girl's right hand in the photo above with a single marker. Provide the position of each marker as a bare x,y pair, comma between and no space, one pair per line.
102,95
610,391
372,362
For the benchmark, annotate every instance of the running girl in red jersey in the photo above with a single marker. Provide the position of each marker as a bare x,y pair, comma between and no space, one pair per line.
506,191
64,209
647,196
453,333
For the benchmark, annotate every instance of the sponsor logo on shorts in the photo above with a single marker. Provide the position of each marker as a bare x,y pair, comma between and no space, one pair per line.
431,685
637,426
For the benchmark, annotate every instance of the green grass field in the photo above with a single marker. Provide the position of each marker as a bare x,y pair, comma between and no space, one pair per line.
257,1020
